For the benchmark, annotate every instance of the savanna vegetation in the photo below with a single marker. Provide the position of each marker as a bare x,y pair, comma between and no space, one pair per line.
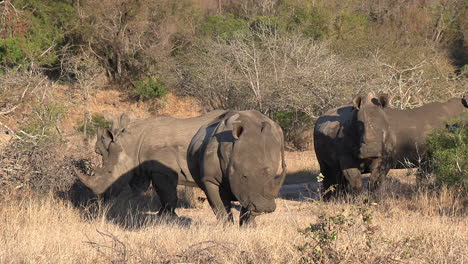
65,62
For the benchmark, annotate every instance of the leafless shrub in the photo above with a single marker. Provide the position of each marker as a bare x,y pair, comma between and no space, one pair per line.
133,38
270,71
39,165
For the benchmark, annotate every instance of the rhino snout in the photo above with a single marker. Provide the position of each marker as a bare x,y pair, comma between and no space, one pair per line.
263,206
370,150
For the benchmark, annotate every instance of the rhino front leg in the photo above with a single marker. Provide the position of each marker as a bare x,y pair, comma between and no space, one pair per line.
220,205
247,218
379,170
351,173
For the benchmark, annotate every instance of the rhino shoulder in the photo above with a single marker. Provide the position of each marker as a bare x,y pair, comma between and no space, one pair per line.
334,121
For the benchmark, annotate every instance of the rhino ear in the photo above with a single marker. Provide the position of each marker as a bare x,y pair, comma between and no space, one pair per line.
237,129
357,102
112,134
108,134
383,100
125,119
265,125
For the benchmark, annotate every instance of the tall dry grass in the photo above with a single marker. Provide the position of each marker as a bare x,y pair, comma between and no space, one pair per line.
400,224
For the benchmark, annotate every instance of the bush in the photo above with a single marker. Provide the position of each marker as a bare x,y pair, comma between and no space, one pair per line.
44,120
448,152
33,31
97,121
224,28
150,88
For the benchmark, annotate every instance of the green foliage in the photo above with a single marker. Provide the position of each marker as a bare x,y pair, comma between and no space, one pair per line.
289,121
34,31
321,238
44,120
267,24
150,88
448,151
224,27
11,53
97,121
303,16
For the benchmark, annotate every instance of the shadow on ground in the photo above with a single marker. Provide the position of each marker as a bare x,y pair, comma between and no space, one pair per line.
128,210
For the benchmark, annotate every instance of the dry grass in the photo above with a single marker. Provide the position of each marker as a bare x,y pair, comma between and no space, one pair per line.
404,224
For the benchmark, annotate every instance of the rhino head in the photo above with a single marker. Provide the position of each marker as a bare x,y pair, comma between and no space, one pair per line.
254,171
372,126
105,135
117,163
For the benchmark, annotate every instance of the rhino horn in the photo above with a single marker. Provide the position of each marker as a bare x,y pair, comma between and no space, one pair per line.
98,183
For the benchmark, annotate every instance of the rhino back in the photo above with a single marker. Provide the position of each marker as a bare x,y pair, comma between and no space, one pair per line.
163,141
412,126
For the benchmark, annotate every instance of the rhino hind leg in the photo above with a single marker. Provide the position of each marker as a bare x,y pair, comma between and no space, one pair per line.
165,186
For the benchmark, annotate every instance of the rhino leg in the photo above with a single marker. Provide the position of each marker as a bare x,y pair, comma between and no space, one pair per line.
165,186
378,172
246,218
351,173
330,180
218,201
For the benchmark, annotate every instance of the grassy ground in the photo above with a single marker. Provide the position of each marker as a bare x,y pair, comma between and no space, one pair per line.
400,224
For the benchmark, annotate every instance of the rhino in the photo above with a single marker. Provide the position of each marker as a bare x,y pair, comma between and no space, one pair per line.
239,157
147,150
368,136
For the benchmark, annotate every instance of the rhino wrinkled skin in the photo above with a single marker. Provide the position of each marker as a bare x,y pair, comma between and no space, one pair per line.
146,150
370,137
239,157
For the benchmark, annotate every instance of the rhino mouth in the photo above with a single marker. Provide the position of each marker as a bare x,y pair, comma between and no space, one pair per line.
262,205
370,150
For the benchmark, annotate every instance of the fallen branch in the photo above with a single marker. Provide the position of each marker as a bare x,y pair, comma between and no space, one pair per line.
10,110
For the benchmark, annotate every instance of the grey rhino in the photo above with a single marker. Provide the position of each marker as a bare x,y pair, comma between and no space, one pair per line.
239,157
370,137
147,150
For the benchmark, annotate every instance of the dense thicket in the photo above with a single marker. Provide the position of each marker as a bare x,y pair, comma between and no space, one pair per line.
288,58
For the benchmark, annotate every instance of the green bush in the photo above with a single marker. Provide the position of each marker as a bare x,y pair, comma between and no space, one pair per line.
34,32
289,121
224,27
448,152
303,16
11,53
97,121
150,88
44,121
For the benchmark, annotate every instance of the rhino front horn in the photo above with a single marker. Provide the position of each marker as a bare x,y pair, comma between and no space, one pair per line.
93,183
